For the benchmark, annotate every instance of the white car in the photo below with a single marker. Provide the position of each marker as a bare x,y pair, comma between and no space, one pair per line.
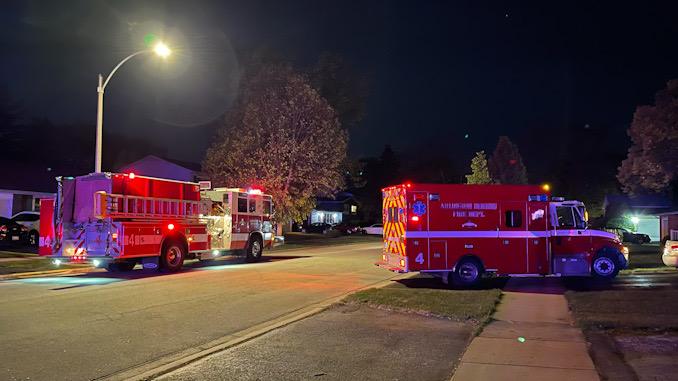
375,229
670,256
31,220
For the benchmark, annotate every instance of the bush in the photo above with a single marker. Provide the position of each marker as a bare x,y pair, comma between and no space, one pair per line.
621,222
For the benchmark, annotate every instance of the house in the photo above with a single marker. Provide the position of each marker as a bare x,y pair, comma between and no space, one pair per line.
22,185
668,224
342,208
154,166
645,208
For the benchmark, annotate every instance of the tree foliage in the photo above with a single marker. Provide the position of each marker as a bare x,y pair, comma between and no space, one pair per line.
479,172
281,136
506,165
652,162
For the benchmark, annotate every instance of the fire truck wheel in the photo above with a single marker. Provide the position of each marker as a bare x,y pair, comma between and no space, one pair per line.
254,249
468,272
172,256
112,267
604,266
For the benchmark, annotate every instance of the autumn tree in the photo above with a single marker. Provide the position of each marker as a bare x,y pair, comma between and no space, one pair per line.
652,162
479,172
506,165
281,136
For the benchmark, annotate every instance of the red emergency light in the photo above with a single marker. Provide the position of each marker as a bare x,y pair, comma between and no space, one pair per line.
170,226
131,175
254,191
415,218
409,185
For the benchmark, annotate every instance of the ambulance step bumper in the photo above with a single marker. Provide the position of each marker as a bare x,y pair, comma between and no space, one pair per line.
390,267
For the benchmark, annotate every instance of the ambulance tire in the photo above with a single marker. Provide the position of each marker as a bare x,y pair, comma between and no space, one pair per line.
605,266
172,256
254,249
468,272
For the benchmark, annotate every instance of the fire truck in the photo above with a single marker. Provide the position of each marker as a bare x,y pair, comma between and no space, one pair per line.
116,221
465,232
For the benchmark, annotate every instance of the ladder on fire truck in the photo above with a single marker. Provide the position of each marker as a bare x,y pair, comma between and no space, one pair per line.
126,206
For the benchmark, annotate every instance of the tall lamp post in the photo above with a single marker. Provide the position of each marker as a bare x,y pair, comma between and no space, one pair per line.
159,49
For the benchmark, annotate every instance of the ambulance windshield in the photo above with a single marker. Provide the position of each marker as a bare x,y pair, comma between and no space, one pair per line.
571,217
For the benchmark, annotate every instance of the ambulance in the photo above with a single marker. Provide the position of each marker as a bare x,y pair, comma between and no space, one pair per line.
466,232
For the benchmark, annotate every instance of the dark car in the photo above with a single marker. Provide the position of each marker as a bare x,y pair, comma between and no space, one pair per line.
316,227
637,238
347,228
12,232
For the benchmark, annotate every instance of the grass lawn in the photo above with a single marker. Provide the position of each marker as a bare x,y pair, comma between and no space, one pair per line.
30,265
638,311
469,306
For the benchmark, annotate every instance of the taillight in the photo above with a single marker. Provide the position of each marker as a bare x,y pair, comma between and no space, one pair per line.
674,247
3,228
24,229
402,262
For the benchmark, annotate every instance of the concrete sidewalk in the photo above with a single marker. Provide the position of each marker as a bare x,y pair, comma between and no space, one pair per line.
531,337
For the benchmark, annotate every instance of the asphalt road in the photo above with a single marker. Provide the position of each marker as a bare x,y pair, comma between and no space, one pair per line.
109,326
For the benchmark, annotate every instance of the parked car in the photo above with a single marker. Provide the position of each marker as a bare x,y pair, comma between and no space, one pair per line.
31,220
12,232
670,256
316,227
375,229
629,236
347,228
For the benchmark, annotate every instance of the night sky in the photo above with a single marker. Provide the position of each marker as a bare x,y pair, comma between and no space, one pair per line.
439,70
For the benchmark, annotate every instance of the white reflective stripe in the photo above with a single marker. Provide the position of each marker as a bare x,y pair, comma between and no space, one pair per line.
240,237
600,233
200,238
527,234
478,234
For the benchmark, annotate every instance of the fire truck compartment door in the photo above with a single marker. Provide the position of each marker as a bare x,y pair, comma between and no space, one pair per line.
537,245
512,251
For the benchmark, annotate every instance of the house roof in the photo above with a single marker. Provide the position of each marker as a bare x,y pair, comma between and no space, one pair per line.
667,212
339,198
195,167
644,201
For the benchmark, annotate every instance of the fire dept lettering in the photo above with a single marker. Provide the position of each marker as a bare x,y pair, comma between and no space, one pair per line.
468,209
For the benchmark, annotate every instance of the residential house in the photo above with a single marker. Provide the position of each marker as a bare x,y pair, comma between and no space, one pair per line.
154,166
644,207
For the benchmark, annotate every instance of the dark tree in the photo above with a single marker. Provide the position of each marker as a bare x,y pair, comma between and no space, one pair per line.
652,162
506,165
343,86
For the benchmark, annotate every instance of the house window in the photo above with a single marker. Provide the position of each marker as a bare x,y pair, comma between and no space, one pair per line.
514,219
354,209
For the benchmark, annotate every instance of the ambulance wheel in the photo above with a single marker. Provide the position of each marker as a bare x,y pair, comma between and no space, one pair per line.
468,272
604,266
172,257
254,249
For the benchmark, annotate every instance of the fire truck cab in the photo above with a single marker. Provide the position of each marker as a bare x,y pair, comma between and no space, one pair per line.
116,221
465,232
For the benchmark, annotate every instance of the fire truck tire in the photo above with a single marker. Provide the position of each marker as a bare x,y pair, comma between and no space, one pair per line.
468,272
604,266
254,249
172,256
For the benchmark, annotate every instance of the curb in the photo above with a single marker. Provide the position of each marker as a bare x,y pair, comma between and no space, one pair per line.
36,274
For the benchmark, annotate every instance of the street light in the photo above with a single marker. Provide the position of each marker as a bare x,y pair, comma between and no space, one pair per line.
161,50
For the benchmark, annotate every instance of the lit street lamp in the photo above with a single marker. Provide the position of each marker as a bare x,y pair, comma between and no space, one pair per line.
159,49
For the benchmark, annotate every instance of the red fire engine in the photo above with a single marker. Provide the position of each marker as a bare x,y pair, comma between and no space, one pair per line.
463,232
118,220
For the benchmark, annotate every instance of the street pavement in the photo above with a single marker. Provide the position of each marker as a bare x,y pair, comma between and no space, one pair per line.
114,326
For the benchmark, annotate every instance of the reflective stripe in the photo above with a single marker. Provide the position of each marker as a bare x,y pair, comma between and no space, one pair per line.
478,234
240,237
200,238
